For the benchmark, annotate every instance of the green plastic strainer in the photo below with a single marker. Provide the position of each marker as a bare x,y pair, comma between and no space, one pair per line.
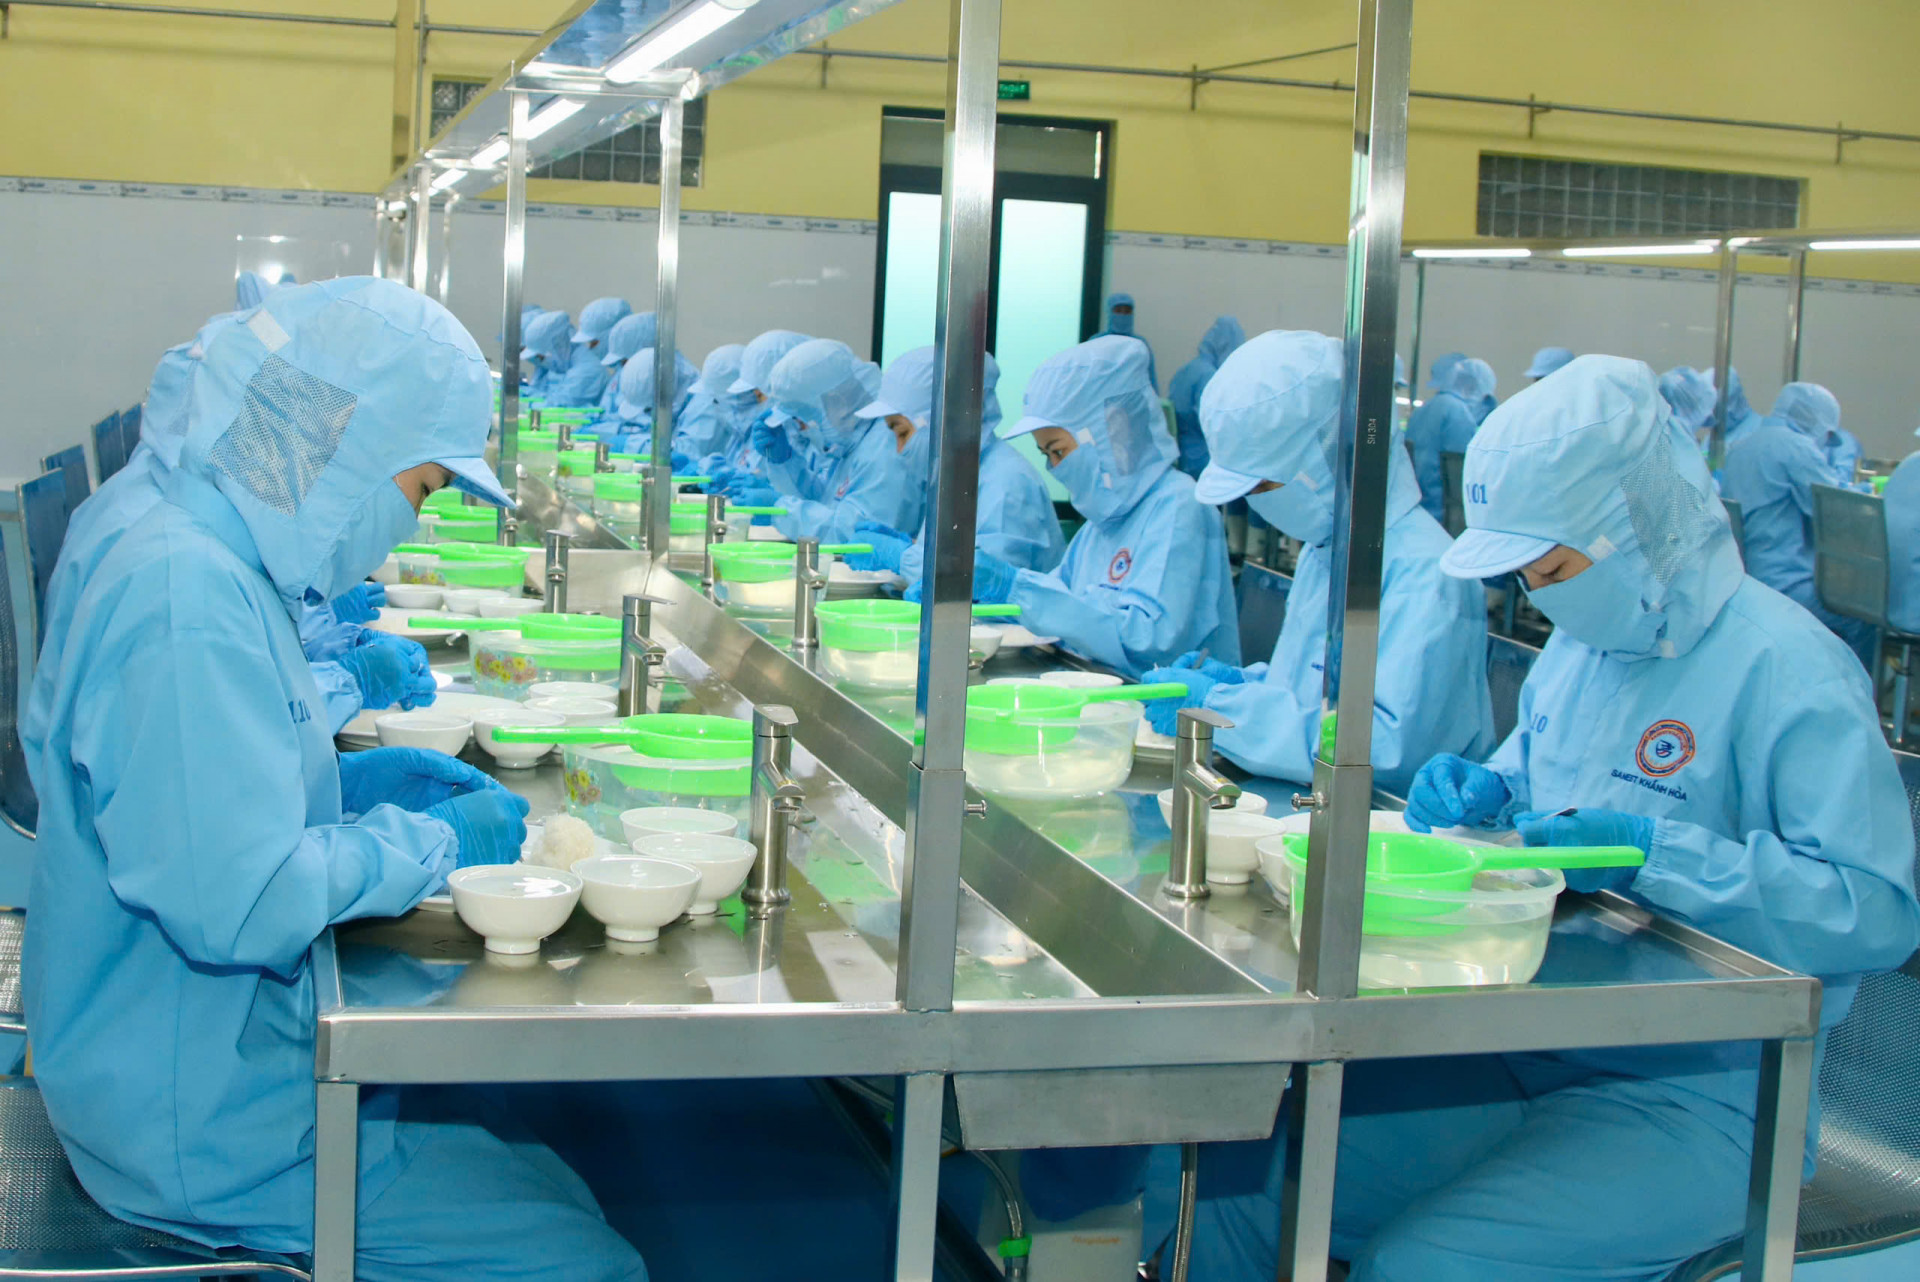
537,627
667,736
873,624
1022,718
765,560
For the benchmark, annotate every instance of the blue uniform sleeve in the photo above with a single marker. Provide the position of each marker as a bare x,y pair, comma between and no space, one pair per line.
1828,890
204,820
1155,615
339,695
322,635
878,487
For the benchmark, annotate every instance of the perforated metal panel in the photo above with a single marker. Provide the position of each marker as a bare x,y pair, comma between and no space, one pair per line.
1850,553
17,801
13,929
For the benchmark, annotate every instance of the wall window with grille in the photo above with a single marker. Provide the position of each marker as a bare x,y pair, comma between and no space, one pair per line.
1526,196
633,154
450,98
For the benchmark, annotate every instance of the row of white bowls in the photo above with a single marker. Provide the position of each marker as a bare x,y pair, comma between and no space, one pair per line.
553,704
684,862
479,603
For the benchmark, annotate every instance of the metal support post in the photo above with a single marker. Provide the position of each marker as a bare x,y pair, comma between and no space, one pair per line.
716,533
443,262
916,1172
665,305
419,226
1419,321
1779,1143
1312,1118
1722,353
380,237
1796,299
336,1178
559,543
515,257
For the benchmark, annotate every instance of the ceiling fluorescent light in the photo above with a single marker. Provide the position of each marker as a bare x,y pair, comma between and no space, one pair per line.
1641,251
1469,252
552,114
491,154
1905,242
673,37
448,179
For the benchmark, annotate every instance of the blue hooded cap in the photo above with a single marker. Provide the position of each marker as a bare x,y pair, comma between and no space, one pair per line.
548,341
1810,408
1690,395
1220,341
1099,392
1547,360
636,384
759,358
720,370
1441,367
1120,322
629,335
906,388
249,291
1472,380
1591,460
1737,406
301,415
163,415
598,318
823,384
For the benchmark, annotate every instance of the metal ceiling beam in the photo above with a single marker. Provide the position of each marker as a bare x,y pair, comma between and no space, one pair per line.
256,15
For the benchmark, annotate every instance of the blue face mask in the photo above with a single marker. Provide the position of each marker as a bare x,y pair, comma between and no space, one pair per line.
914,456
1080,473
377,527
1120,322
1298,511
1600,607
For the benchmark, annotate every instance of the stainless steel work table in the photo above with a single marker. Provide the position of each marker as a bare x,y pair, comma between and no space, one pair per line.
1073,970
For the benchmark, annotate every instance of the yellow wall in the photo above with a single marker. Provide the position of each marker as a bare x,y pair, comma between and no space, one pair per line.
187,100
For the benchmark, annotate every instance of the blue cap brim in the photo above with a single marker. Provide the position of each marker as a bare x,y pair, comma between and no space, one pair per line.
473,476
740,385
1031,423
1219,485
1484,554
877,409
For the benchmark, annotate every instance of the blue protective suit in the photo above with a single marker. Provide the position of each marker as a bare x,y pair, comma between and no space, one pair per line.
250,289
1146,578
1741,727
628,335
1122,323
1902,497
1690,395
1741,416
548,352
1446,423
1770,472
1218,343
823,385
1273,413
716,414
190,861
630,426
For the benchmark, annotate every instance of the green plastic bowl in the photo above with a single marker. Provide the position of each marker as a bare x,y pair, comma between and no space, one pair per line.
752,562
1025,718
688,518
619,487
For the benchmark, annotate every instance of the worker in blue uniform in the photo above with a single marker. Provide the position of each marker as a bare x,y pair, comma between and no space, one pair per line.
1902,497
1272,418
630,427
628,335
717,415
744,474
1680,707
1816,412
821,385
1014,518
1741,416
1446,422
585,379
1146,578
1690,395
1120,320
192,852
1546,361
547,353
1770,472
1218,343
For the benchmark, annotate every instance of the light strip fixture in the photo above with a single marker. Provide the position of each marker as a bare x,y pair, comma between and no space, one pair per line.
1908,242
1643,251
1471,252
673,37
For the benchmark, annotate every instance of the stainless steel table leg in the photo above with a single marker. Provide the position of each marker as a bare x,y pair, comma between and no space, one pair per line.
336,1178
1779,1145
916,1174
1313,1142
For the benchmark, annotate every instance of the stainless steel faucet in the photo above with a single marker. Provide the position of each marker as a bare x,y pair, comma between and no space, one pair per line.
808,582
509,535
533,419
566,437
775,804
558,544
603,456
716,533
639,653
1197,788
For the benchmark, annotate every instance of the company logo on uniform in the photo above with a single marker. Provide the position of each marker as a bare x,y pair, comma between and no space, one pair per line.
1122,563
1664,748
1477,493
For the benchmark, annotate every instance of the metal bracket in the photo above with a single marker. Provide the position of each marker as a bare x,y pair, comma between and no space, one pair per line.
1534,112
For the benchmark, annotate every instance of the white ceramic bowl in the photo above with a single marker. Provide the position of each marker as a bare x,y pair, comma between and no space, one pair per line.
634,897
667,821
722,862
514,906
414,596
578,712
1233,839
510,607
1250,803
441,731
570,690
514,756
1075,679
984,640
468,600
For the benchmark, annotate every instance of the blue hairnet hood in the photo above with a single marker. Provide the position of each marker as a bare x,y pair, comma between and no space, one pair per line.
1737,406
759,358
1810,408
598,318
249,291
628,336
1119,322
548,336
1547,360
1690,395
1441,367
1221,340
163,415
1469,378
906,388
823,384
301,414
1099,392
1590,459
721,370
636,384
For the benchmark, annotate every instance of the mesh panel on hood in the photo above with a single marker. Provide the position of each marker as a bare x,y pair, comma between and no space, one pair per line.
284,436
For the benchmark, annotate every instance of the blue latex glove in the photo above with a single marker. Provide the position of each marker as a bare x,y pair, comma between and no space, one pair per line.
724,475
1583,827
1164,714
914,589
770,443
416,654
411,778
360,603
682,463
1452,792
750,494
490,826
993,579
888,544
1222,673
388,675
